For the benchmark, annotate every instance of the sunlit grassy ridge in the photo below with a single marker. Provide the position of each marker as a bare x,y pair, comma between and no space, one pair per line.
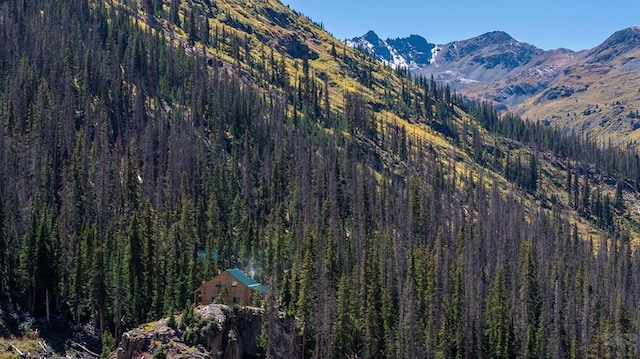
259,34
267,27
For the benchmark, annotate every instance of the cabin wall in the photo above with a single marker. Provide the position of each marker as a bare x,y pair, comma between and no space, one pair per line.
237,291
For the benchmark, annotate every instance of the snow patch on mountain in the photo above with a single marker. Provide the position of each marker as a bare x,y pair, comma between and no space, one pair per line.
398,61
434,53
408,52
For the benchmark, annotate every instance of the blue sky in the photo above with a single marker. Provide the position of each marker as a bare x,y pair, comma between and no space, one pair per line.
547,24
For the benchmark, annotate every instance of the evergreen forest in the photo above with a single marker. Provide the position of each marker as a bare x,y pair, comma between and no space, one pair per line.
392,219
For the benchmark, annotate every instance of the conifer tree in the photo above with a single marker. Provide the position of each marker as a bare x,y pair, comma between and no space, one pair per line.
498,332
529,301
174,9
305,300
344,331
372,330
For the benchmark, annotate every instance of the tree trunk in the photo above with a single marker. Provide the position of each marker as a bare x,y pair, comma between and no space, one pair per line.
47,303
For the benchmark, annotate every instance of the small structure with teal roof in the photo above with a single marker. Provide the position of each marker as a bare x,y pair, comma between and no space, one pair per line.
233,286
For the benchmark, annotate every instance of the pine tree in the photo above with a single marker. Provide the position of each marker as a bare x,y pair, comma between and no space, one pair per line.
98,282
586,194
498,331
533,173
174,9
133,260
372,330
619,204
193,31
529,299
305,300
344,330
149,263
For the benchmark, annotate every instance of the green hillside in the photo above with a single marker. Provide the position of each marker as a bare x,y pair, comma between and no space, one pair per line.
385,214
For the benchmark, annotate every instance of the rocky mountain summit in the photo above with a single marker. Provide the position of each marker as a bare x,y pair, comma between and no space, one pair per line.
412,52
488,57
618,44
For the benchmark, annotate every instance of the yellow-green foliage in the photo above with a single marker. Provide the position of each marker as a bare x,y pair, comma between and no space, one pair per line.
25,345
264,35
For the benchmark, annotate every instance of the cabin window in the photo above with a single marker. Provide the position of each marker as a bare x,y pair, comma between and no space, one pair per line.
218,285
236,300
234,284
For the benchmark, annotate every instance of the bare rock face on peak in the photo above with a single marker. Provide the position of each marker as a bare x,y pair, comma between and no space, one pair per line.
410,52
416,49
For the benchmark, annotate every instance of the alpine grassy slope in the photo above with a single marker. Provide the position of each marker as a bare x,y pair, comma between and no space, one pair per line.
388,216
597,92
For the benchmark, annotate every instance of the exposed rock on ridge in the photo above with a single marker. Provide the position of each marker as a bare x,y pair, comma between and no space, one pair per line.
217,332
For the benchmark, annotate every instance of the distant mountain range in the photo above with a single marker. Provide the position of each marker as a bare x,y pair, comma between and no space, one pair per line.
595,90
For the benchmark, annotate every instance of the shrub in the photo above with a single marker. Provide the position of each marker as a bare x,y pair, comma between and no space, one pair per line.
108,343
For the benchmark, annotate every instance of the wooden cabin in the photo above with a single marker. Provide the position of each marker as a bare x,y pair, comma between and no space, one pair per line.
232,285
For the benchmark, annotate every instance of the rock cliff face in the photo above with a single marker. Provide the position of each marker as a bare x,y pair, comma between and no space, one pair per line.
410,52
214,331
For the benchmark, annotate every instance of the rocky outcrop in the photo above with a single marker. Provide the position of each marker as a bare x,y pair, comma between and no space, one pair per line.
214,331
555,93
297,48
229,331
146,339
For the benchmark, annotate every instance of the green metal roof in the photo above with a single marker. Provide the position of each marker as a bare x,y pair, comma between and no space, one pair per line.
260,288
244,279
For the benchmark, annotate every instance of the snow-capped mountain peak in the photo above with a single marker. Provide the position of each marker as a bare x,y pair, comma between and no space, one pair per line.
407,52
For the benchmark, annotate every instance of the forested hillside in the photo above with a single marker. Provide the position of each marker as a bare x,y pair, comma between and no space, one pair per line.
387,216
